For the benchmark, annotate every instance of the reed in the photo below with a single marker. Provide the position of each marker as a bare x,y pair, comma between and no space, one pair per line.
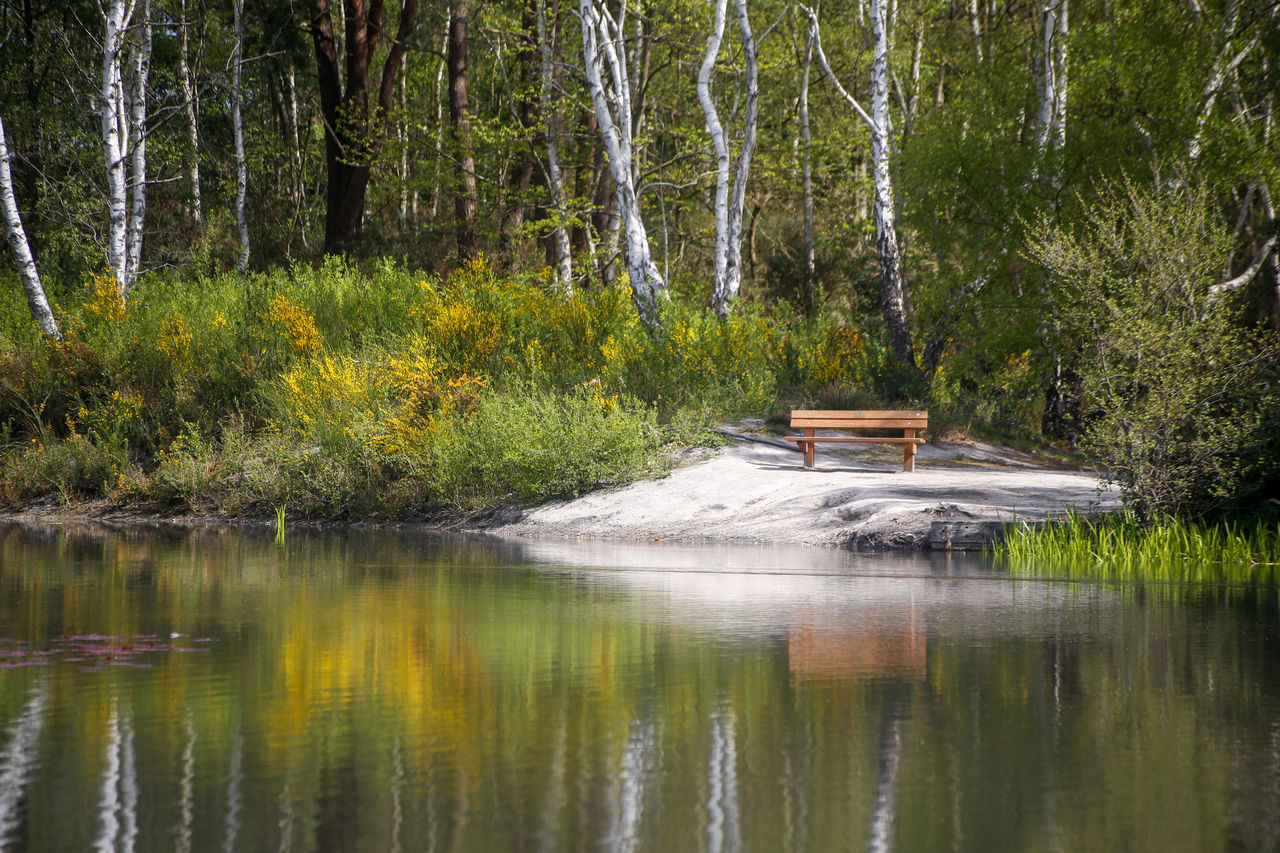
1122,547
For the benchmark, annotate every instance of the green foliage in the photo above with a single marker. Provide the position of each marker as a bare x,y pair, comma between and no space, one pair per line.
1181,401
1122,547
336,392
528,446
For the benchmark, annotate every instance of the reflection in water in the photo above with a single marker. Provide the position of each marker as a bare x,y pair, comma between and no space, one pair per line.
723,831
889,753
186,801
235,777
398,693
19,757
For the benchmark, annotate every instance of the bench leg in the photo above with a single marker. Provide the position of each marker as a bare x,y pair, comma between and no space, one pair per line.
909,451
809,447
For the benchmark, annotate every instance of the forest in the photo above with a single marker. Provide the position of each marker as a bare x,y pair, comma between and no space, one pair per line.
395,257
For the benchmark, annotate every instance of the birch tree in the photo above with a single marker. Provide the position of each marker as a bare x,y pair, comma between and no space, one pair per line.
893,302
729,206
17,237
555,178
189,110
237,127
140,68
605,66
1228,55
806,172
1051,80
123,113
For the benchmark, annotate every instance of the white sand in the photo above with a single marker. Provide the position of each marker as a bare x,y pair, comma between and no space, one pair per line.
857,497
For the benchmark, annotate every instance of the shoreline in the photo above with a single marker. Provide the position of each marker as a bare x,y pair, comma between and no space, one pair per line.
750,493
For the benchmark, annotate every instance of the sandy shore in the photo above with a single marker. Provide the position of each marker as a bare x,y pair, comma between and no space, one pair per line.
748,492
856,498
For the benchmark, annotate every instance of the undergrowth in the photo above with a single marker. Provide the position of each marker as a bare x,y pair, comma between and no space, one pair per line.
341,392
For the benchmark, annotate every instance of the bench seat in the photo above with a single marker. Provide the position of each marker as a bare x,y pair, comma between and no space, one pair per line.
811,420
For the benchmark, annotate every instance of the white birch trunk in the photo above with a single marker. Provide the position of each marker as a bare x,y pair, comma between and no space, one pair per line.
720,206
190,106
1224,63
298,187
237,127
806,175
604,45
114,139
1051,97
893,302
137,96
555,177
439,96
402,138
729,205
975,27
17,238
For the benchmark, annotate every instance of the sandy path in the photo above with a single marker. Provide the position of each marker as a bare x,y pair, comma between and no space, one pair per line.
857,499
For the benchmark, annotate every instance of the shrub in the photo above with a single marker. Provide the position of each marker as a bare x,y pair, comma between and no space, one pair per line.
1181,401
527,446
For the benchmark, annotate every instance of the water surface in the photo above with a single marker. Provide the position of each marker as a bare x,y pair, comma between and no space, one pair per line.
222,691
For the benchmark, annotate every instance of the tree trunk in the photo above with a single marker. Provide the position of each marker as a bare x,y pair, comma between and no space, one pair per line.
806,179
1051,113
439,99
729,207
137,96
1224,63
975,28
115,138
466,197
893,302
242,167
563,259
189,107
604,45
354,131
17,237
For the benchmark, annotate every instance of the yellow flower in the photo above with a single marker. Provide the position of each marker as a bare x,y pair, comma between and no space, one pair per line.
105,304
295,324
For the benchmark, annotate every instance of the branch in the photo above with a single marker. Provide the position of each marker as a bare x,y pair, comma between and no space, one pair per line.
822,56
1217,291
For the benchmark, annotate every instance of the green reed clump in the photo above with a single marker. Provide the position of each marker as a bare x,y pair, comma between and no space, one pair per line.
1122,547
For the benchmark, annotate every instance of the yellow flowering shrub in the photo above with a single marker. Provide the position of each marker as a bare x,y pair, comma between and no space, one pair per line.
104,303
329,400
294,325
174,341
838,356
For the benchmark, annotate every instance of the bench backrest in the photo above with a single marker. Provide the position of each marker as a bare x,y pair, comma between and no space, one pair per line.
834,419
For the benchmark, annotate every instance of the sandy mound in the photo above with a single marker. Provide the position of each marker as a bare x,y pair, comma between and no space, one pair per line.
858,498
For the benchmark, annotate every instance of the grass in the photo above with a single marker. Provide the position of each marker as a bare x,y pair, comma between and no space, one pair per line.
1121,547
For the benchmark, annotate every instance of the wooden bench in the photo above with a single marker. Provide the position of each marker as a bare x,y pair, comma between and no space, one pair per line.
809,421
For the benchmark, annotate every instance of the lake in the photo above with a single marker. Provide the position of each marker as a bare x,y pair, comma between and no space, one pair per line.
221,690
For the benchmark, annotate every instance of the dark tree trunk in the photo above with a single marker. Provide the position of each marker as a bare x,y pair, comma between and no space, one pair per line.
352,132
466,198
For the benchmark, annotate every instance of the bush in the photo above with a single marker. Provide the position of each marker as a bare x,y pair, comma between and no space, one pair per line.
1180,400
528,446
